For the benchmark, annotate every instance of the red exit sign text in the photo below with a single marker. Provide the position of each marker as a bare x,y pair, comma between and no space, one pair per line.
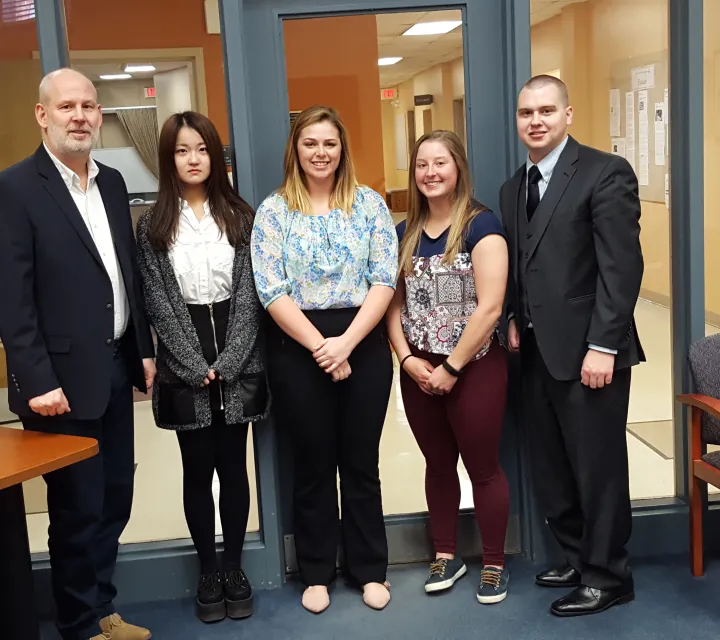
149,92
388,94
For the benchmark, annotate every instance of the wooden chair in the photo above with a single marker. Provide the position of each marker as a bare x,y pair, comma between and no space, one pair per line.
704,419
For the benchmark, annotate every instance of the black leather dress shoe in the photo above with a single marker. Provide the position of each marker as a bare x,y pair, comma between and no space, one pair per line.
563,577
585,601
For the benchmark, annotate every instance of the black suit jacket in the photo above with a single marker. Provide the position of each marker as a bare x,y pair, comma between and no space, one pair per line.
56,300
584,265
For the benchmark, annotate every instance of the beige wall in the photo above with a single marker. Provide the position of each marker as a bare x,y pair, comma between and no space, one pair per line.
120,93
584,42
445,82
173,93
124,93
19,132
711,20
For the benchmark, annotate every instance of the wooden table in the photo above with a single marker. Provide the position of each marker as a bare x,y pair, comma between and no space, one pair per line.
25,455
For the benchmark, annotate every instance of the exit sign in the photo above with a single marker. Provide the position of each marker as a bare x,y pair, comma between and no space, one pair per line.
389,94
149,92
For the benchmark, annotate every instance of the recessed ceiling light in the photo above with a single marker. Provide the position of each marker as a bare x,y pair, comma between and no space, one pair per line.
115,76
139,68
384,62
432,28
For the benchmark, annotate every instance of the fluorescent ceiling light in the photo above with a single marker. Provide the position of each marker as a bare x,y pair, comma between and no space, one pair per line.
139,68
432,28
384,62
115,76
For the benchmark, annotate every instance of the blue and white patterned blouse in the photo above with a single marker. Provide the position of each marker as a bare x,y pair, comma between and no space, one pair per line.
323,262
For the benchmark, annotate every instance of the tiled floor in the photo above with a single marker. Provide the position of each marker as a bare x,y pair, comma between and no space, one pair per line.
158,513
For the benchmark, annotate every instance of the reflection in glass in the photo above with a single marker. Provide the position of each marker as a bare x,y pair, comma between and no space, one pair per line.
609,52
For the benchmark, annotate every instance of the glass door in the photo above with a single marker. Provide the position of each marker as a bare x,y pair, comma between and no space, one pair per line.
392,75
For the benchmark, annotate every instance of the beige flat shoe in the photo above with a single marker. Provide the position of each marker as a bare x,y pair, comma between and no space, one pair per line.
316,599
376,595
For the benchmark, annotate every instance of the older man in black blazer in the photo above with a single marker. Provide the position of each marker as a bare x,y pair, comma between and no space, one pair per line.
73,325
572,217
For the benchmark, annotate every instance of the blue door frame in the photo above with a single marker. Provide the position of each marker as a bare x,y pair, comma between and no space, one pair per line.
492,32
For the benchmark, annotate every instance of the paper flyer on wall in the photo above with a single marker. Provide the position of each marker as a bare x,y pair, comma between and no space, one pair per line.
643,77
667,191
659,133
630,128
614,113
643,140
618,146
667,108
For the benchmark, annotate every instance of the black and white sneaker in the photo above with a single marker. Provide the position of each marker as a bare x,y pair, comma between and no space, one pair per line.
493,586
444,574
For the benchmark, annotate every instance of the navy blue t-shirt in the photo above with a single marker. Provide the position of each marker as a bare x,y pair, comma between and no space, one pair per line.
483,224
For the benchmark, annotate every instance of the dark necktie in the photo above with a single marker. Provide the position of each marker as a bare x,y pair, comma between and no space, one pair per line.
533,191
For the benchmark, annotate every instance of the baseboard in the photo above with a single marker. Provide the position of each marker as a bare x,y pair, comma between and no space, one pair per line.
155,572
168,570
665,301
660,529
409,540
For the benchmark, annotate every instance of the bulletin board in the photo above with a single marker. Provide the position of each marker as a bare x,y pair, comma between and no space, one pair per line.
622,74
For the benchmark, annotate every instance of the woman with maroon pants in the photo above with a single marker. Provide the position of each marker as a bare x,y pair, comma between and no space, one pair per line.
442,324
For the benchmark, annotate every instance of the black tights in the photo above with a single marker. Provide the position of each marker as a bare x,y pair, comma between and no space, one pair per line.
218,447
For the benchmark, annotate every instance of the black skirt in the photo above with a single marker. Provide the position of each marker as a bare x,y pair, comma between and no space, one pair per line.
176,399
210,322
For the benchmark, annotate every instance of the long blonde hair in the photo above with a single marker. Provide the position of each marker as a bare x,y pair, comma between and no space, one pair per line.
464,207
294,186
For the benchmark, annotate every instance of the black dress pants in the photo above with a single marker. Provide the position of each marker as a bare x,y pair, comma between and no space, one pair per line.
334,426
89,504
577,435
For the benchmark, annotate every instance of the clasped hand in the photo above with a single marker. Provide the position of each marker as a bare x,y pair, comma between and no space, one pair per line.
431,380
332,356
211,375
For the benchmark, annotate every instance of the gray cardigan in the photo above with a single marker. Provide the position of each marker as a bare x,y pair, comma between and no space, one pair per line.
184,358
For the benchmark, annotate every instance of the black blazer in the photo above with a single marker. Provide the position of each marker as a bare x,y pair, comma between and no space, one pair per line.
584,265
56,300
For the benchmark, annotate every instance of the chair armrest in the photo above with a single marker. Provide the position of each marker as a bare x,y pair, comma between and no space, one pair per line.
705,403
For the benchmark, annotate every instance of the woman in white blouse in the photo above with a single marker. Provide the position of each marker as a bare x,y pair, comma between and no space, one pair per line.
194,256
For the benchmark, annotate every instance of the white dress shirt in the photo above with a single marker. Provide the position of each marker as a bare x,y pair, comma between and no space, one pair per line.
546,166
92,209
202,258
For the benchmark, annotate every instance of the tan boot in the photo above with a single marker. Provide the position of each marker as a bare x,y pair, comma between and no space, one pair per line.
115,628
102,636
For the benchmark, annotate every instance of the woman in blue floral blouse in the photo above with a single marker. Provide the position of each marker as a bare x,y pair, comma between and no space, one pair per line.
324,255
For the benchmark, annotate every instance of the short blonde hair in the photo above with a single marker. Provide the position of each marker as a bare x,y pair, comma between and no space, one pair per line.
294,186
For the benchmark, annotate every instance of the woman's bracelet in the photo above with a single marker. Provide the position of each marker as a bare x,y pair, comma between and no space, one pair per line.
402,362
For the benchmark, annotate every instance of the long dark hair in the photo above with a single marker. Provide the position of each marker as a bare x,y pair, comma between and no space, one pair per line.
232,214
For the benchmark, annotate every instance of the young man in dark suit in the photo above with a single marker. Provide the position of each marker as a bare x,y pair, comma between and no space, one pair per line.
73,325
572,217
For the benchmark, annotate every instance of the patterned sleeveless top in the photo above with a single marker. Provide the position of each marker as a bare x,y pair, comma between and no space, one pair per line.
440,298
